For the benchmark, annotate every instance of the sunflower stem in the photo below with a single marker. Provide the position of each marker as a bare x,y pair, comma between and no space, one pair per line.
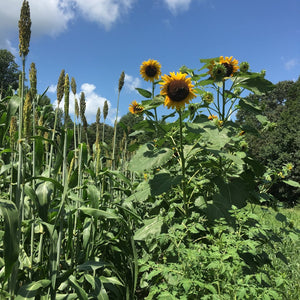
182,158
224,102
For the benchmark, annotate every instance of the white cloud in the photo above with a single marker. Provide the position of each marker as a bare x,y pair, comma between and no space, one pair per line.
103,12
52,17
93,101
52,88
131,83
178,5
290,64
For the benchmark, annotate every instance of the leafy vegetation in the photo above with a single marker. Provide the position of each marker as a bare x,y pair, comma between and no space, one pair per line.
279,144
176,214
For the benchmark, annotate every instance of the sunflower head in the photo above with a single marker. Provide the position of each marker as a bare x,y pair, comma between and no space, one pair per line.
150,70
244,67
177,89
135,108
230,64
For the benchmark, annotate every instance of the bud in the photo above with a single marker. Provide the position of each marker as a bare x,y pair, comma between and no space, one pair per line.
244,67
32,79
105,110
208,98
121,81
218,71
24,29
67,94
60,86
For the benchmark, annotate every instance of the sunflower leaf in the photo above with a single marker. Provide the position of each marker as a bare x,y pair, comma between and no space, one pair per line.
149,157
144,93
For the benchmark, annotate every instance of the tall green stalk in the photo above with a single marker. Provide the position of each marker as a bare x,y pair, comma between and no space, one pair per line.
60,94
121,83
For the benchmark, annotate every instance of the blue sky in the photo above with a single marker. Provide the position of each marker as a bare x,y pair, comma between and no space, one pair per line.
95,40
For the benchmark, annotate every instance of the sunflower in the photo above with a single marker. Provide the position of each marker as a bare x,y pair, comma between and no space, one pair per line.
135,108
150,70
230,64
178,90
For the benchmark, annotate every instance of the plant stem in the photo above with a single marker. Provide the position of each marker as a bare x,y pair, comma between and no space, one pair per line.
115,133
182,158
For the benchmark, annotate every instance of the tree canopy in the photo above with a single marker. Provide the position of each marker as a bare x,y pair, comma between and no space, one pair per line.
9,72
280,144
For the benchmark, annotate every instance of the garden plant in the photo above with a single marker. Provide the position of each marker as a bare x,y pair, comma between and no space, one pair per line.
178,210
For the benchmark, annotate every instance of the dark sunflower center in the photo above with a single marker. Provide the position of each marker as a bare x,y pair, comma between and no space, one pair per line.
229,69
178,90
138,108
151,71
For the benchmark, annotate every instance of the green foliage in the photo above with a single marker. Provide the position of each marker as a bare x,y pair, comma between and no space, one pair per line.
278,145
9,73
175,214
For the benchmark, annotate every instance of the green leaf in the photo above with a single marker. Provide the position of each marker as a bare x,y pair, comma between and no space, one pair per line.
29,291
92,265
152,227
10,242
256,84
82,295
12,107
111,280
149,157
97,213
292,183
144,93
44,193
93,195
162,182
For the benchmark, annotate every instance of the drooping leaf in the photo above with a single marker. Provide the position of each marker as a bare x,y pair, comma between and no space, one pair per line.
29,291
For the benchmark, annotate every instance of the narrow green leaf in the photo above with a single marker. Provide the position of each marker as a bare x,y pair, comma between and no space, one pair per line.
82,295
10,242
97,213
292,183
29,291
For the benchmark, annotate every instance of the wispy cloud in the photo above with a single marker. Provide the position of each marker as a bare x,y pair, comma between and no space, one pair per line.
131,83
176,6
292,63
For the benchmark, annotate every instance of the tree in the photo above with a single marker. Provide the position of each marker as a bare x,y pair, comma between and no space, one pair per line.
281,144
9,72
